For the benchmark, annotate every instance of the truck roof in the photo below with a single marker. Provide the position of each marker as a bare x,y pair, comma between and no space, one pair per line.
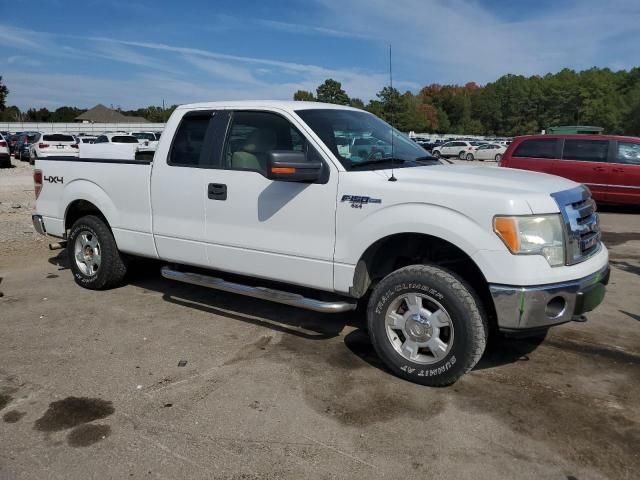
281,104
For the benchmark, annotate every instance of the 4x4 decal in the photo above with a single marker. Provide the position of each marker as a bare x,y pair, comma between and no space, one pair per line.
52,179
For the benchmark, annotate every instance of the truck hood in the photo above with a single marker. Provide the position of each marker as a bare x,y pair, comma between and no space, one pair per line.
522,189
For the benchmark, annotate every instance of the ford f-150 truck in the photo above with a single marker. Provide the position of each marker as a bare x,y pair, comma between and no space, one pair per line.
440,256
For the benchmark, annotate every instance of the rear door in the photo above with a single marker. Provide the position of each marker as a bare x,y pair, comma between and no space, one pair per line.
179,187
536,154
625,168
584,160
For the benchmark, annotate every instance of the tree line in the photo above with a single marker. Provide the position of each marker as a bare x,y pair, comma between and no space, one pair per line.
512,105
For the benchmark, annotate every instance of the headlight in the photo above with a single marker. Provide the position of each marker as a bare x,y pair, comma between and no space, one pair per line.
533,235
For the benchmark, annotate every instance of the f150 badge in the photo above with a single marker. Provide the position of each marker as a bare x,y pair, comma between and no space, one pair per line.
357,201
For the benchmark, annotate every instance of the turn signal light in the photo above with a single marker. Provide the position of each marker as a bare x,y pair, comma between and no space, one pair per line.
507,230
285,170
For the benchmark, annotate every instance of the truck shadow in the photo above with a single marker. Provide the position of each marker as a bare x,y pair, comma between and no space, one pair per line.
145,274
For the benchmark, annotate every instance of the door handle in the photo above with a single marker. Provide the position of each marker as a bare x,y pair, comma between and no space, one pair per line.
217,191
599,169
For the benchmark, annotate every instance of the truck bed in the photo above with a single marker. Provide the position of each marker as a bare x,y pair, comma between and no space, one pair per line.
120,189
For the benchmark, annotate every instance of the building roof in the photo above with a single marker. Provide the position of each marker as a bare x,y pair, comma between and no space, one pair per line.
102,114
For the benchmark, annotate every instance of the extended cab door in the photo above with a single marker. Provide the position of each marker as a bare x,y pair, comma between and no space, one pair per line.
584,160
625,173
272,229
179,183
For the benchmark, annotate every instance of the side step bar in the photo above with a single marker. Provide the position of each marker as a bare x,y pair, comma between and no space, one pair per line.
269,294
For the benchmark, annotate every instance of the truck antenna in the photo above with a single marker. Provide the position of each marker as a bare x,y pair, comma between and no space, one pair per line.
392,178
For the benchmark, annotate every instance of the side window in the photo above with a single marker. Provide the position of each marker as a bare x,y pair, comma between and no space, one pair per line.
586,150
186,150
538,148
628,153
253,135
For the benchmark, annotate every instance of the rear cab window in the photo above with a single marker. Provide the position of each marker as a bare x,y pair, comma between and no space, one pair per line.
124,139
58,137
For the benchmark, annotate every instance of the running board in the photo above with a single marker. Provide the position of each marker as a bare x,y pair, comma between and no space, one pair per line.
262,293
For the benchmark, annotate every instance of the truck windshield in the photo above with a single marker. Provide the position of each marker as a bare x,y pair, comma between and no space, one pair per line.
359,138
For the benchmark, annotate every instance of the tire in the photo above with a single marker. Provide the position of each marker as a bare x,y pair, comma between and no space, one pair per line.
498,157
93,254
461,155
32,159
461,326
436,153
470,157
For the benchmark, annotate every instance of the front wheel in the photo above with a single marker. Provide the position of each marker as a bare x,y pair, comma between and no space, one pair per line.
470,157
436,154
498,157
461,155
93,254
426,325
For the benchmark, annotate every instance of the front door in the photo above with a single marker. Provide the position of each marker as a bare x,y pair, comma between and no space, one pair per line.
265,228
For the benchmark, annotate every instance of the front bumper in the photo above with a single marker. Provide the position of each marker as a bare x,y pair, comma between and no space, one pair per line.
38,224
542,306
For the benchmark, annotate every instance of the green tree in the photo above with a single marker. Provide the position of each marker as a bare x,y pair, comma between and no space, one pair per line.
331,92
4,91
304,96
356,103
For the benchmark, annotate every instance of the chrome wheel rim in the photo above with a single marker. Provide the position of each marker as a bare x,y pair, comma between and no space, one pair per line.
419,328
87,253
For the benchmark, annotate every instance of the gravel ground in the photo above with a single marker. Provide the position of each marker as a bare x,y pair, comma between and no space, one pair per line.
92,384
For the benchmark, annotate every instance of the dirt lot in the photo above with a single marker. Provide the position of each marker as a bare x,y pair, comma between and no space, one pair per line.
91,387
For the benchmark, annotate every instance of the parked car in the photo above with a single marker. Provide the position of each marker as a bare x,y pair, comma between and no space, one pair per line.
5,155
12,140
444,256
489,151
116,138
608,165
53,145
148,139
458,148
23,144
86,139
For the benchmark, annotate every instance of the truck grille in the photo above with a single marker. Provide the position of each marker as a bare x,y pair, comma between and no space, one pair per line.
581,223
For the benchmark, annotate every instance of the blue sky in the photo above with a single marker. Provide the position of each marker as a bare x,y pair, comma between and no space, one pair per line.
137,53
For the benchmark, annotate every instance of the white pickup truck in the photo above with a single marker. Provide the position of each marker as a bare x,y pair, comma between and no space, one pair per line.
440,255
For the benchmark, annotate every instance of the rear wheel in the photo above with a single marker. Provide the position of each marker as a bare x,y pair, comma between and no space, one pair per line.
498,157
461,155
426,325
470,157
436,153
93,254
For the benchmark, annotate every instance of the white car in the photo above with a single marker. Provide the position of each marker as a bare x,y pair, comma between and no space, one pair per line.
457,148
52,145
148,139
86,139
116,138
5,155
444,255
489,151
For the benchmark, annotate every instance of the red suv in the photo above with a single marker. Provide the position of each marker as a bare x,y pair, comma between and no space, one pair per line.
608,165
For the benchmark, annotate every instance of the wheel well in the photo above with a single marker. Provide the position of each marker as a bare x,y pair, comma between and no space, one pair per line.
78,209
396,251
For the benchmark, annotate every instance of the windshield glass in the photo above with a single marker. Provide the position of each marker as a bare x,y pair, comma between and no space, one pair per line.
360,138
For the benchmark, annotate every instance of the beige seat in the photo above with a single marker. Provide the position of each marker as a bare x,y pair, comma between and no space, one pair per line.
253,154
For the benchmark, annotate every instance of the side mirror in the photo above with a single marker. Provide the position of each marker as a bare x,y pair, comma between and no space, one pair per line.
290,166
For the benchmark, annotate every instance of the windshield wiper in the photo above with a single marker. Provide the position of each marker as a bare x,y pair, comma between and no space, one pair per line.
375,162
